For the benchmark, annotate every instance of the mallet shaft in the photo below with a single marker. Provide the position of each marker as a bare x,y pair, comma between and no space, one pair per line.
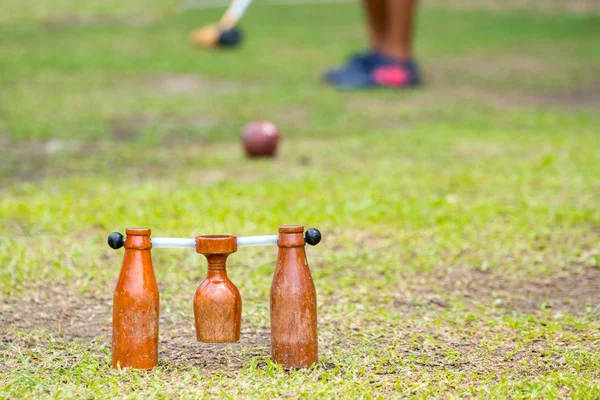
234,13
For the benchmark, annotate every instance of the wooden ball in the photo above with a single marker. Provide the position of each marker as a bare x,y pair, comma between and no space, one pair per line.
260,139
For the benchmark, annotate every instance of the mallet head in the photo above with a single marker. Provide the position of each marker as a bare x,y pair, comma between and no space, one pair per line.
213,36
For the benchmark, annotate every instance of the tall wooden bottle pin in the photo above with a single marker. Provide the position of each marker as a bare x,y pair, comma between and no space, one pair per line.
217,303
135,303
294,342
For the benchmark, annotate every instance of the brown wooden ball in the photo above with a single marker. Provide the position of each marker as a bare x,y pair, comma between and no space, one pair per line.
260,139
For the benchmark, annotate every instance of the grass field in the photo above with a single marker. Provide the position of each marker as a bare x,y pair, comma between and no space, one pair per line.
461,221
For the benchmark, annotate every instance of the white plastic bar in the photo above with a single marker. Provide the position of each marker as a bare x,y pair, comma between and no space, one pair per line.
179,243
173,243
257,240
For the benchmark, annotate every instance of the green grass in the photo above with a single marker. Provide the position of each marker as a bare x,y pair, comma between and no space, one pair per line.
461,221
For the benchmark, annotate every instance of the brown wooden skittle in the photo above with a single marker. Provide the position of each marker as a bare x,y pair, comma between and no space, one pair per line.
217,303
294,342
136,306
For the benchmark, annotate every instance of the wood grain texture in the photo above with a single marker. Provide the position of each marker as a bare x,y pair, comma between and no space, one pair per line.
294,341
136,306
217,303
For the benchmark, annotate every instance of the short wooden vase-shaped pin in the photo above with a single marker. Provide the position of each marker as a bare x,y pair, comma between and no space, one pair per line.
135,305
217,303
294,342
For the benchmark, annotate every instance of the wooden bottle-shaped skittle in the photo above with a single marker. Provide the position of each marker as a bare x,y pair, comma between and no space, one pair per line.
293,303
217,303
136,306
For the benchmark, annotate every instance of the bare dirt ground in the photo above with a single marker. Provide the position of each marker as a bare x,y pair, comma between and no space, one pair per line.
69,316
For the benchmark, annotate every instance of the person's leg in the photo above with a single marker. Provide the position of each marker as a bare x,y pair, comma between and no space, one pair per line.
375,11
390,62
398,34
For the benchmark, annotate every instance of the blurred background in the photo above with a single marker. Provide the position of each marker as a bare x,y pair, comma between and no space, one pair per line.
463,211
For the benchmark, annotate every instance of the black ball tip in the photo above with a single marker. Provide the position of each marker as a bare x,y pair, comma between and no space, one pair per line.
230,37
312,236
116,240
